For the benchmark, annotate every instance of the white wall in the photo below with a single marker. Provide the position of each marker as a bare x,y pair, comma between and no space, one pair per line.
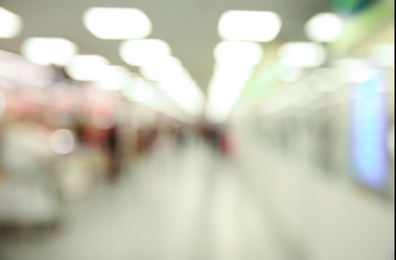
324,217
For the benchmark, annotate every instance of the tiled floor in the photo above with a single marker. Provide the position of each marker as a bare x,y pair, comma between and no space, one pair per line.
176,204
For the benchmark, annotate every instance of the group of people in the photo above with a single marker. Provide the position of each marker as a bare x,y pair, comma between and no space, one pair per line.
216,136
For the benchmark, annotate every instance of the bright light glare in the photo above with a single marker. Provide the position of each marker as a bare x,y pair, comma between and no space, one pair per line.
324,27
62,141
114,78
233,73
143,52
88,68
162,69
224,90
175,82
384,54
117,23
183,90
354,70
255,26
243,54
302,55
141,91
47,51
10,24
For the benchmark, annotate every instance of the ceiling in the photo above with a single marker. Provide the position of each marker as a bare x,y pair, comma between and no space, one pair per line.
189,26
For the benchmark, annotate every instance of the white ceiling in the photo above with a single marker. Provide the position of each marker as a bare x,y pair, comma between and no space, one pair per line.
189,26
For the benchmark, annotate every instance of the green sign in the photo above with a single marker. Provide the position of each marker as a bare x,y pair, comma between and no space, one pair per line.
351,6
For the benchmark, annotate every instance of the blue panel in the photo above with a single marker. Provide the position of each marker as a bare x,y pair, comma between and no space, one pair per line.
369,128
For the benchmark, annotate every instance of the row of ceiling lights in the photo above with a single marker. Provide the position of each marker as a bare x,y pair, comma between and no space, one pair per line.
239,52
235,57
152,56
115,23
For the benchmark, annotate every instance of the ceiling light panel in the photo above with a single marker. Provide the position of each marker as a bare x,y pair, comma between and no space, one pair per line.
184,91
10,24
143,92
302,55
117,23
88,68
144,52
163,69
225,88
115,78
249,26
47,51
324,27
242,54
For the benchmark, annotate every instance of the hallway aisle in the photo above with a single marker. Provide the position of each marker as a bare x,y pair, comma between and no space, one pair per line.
175,204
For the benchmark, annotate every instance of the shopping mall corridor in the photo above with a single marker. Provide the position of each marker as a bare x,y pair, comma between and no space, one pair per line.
177,203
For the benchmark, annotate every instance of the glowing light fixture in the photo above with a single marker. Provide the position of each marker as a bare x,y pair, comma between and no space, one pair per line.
255,26
47,51
324,27
169,67
88,68
302,55
225,88
114,78
117,23
143,52
183,90
10,24
143,92
384,54
62,141
243,54
354,70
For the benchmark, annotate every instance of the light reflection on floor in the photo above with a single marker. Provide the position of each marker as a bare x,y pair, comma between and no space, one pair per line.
173,205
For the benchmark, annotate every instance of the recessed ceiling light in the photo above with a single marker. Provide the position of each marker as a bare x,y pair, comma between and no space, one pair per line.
88,68
183,90
117,23
164,68
243,54
114,78
302,55
10,24
249,26
225,88
143,52
324,27
47,51
143,92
